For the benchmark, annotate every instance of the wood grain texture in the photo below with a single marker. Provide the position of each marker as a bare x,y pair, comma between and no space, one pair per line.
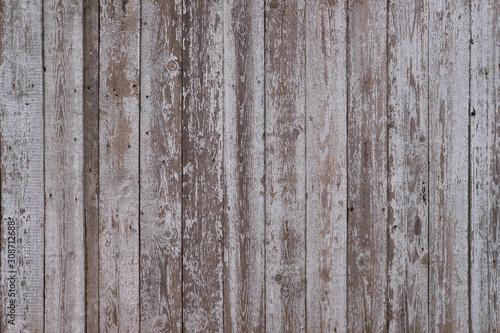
326,167
160,166
90,44
449,37
22,166
408,166
244,166
202,160
285,166
485,167
119,166
64,218
367,169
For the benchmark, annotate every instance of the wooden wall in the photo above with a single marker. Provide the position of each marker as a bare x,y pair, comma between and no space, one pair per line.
250,166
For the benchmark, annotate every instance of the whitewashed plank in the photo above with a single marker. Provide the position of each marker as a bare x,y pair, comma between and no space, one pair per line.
449,37
202,159
64,220
485,167
367,166
408,166
119,166
22,180
244,166
160,149
326,166
285,166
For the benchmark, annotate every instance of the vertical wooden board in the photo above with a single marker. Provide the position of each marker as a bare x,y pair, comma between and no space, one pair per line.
449,36
485,167
408,166
367,166
119,166
326,167
202,160
160,149
64,220
90,45
244,166
285,166
22,174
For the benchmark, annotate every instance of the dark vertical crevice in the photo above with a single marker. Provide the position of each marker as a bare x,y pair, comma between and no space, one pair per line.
469,176
43,155
388,177
348,95
305,164
429,247
265,169
182,69
139,161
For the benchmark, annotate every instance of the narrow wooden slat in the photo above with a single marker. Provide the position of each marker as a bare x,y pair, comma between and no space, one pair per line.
91,158
244,166
367,166
119,166
202,160
326,168
285,166
160,149
408,166
22,178
485,167
449,36
64,219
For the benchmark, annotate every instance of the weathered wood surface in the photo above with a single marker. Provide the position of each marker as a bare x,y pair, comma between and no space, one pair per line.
408,167
449,42
367,159
119,166
202,163
244,215
22,165
250,166
285,166
64,219
160,167
326,166
485,167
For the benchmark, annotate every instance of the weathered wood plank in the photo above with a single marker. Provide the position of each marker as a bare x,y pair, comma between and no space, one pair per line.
367,166
22,173
119,166
202,160
285,166
326,167
449,36
160,149
408,166
64,219
485,167
91,158
244,166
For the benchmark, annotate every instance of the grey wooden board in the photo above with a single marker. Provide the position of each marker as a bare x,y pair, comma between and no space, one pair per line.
22,165
250,166
64,218
485,167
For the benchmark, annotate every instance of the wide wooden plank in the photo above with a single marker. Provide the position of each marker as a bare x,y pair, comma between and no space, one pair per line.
485,167
160,166
326,167
244,166
119,166
449,37
285,166
367,166
408,166
91,158
22,173
64,219
202,160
